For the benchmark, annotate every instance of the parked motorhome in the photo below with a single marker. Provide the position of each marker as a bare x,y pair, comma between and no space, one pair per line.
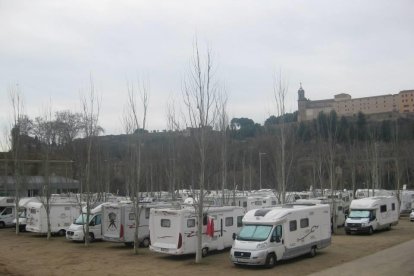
23,211
174,231
372,213
7,211
62,214
257,201
76,230
283,232
118,223
338,204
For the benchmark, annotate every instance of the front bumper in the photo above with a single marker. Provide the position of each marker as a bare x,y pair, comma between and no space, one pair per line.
248,257
74,236
360,229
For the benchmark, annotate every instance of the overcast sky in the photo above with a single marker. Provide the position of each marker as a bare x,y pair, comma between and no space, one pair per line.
50,48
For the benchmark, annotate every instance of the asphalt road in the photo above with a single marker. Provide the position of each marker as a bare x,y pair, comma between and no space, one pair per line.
397,260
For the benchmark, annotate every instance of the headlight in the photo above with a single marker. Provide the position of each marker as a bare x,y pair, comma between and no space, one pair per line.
261,245
364,224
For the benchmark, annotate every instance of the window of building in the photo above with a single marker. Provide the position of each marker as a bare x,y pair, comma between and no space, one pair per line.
293,225
304,223
383,208
229,221
166,223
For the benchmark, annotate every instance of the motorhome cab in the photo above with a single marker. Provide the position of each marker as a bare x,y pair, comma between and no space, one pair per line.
283,232
76,230
174,231
23,212
372,213
7,211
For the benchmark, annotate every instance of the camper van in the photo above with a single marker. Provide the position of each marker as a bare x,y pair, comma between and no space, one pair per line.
372,213
76,229
7,211
62,214
118,223
22,211
338,204
283,232
174,231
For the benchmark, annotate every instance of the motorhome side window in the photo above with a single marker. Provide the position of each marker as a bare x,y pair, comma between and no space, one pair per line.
147,213
8,211
165,223
67,208
393,206
293,225
229,221
304,223
383,208
32,211
190,223
239,221
339,208
131,216
244,204
205,219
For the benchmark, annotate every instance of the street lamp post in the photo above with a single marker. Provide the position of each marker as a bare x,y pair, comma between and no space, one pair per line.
260,169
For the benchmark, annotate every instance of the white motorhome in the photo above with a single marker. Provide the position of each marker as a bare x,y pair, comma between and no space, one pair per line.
258,201
283,232
372,213
174,231
76,229
62,214
7,211
338,204
23,211
118,223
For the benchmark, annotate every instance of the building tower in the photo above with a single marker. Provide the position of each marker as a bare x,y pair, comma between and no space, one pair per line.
301,104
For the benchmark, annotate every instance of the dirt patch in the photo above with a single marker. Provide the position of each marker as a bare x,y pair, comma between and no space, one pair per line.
29,254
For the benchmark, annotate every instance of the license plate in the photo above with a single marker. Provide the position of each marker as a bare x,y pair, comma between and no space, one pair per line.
164,249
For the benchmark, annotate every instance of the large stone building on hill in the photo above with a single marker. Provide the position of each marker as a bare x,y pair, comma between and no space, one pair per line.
344,105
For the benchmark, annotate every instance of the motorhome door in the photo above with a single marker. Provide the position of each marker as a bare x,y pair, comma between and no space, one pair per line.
277,241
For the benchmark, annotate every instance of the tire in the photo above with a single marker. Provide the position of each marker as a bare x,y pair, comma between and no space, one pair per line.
62,232
146,242
91,237
204,252
370,231
312,252
2,224
270,260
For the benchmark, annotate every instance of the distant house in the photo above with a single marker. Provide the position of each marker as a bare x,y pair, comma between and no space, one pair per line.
344,105
33,185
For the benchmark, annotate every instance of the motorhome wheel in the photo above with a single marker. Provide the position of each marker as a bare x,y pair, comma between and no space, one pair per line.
371,231
91,237
312,252
270,260
2,225
62,232
204,251
146,242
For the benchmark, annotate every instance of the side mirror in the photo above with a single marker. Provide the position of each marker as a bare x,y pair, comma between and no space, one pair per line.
234,236
277,239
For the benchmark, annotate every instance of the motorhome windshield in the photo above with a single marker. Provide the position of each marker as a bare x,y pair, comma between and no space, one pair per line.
254,232
359,214
81,219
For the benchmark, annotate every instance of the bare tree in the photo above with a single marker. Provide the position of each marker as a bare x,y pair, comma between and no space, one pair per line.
90,109
133,127
200,94
223,121
45,133
283,156
16,144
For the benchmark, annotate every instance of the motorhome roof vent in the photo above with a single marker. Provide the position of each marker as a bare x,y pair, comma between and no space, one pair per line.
261,212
